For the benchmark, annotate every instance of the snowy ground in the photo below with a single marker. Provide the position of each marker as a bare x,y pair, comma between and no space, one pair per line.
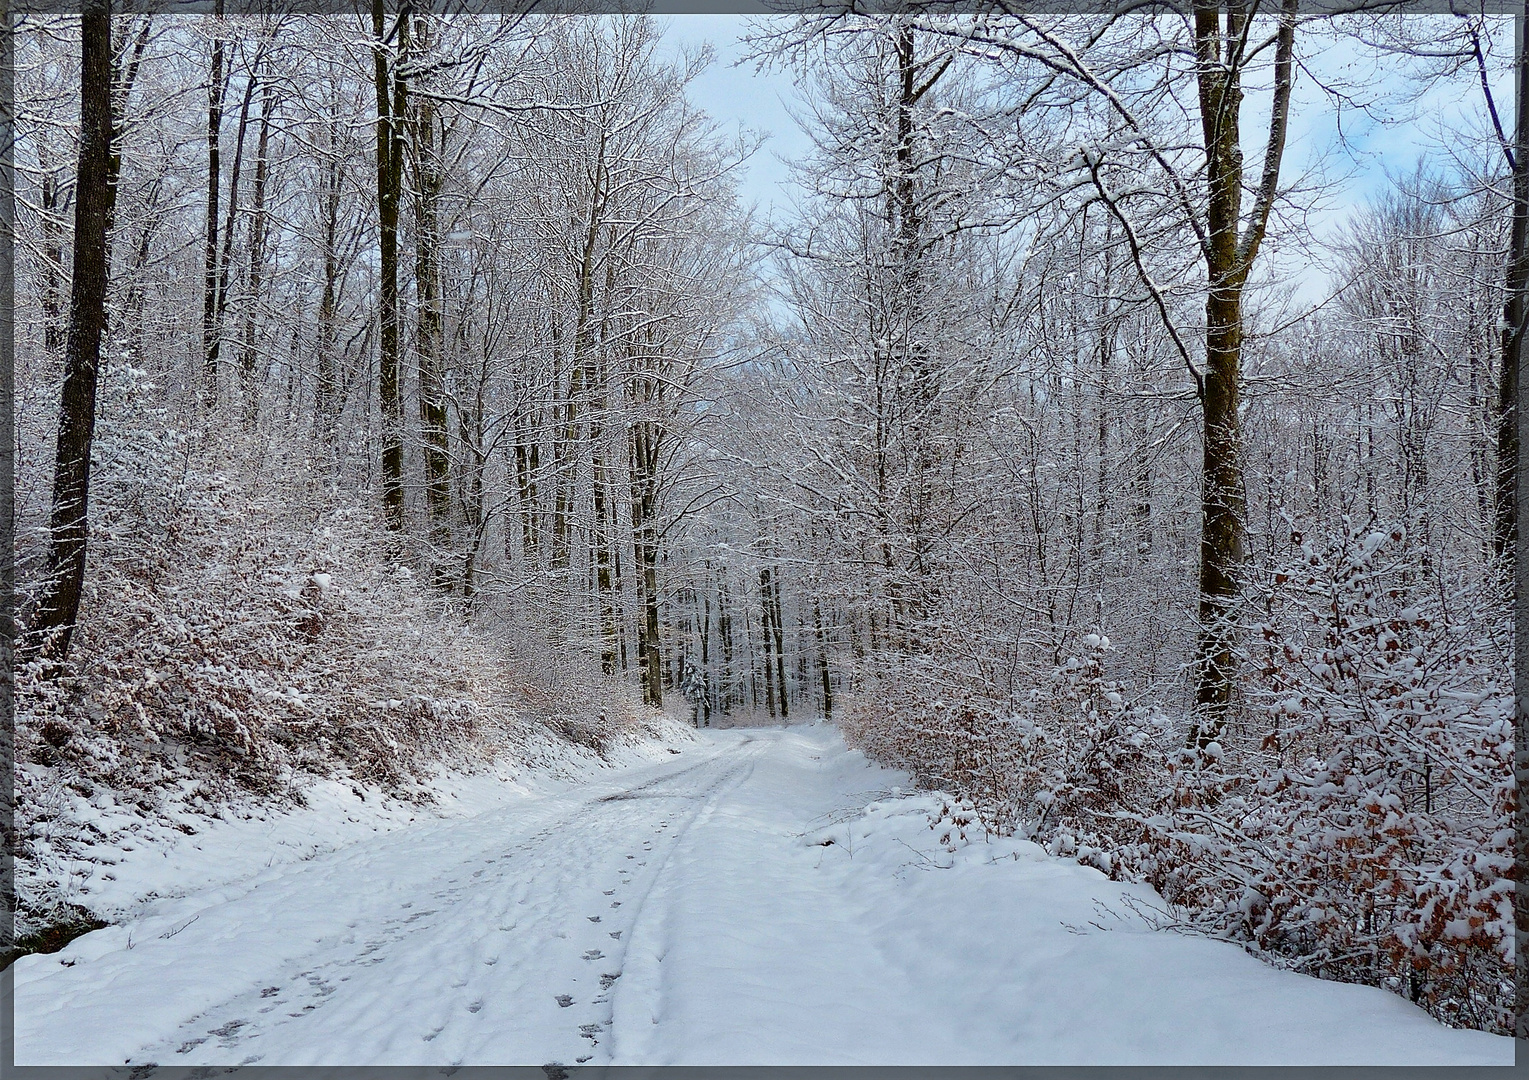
764,897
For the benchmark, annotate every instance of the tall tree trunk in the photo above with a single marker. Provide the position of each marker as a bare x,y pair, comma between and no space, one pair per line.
578,380
527,464
136,301
8,379
1228,249
766,612
326,391
215,90
1515,322
604,579
392,102
95,192
780,645
828,690
470,435
604,542
249,387
1520,541
226,259
430,340
52,264
644,462
725,686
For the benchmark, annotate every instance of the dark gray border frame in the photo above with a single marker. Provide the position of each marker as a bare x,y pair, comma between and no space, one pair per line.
10,10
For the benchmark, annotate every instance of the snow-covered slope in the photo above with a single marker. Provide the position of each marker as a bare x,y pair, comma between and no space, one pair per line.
766,896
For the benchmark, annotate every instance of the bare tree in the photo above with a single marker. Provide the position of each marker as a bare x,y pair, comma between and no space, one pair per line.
105,81
388,52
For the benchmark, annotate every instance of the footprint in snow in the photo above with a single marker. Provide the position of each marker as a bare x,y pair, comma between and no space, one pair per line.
476,1006
593,918
563,1000
610,892
608,979
270,991
616,934
593,954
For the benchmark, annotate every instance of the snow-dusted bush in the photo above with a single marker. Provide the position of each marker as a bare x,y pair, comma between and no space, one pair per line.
559,683
241,628
1355,822
1070,749
246,653
922,716
1360,824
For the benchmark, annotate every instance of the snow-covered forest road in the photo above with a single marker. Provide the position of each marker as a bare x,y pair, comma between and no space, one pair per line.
766,896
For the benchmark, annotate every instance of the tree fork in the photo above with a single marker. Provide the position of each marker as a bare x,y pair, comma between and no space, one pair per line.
1229,249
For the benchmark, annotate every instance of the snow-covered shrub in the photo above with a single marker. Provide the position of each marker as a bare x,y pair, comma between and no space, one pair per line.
1067,755
285,644
1360,825
1095,754
239,630
1355,821
948,731
561,686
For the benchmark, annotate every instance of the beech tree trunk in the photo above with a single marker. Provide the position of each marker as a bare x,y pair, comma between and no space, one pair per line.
828,690
644,447
249,387
430,341
326,402
1515,320
52,264
8,369
215,89
1228,248
767,638
1512,449
391,104
95,191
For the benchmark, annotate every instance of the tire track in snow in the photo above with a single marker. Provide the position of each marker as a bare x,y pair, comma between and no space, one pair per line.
530,901
636,1003
613,982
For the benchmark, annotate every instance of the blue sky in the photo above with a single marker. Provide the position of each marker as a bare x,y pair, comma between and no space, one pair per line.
1355,167
738,96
